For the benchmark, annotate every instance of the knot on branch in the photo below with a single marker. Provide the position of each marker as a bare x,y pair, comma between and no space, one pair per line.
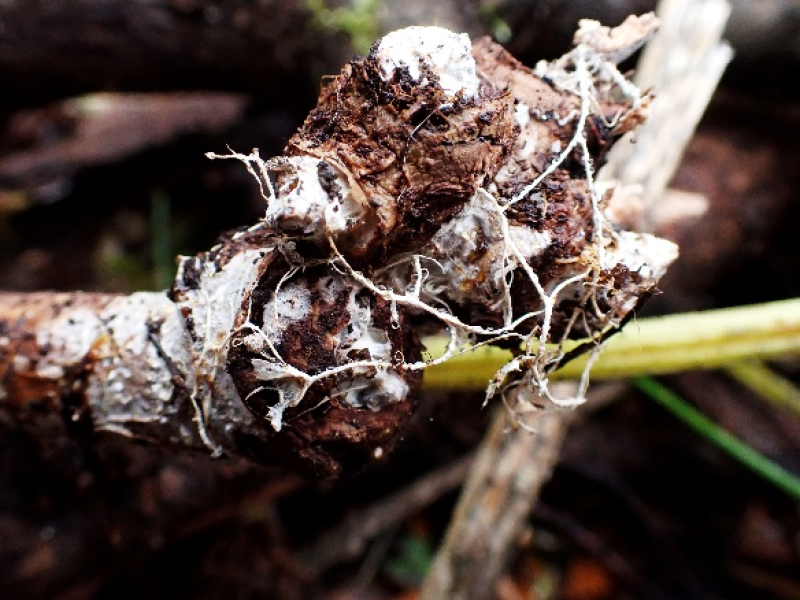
438,186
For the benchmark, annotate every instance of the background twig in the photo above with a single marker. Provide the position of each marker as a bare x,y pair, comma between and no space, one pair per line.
509,471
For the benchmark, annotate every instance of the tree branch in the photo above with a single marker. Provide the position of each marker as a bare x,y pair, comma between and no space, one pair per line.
438,185
510,469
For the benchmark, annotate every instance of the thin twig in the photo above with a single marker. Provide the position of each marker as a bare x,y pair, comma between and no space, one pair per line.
350,537
509,471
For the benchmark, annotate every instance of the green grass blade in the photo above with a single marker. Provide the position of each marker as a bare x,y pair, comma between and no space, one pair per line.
715,434
767,384
701,340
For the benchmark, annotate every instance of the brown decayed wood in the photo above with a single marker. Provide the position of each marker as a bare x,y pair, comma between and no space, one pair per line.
412,155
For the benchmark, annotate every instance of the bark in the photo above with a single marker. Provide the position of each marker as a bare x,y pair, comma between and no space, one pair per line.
433,173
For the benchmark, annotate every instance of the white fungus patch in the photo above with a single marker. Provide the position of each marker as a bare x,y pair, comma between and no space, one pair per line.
522,114
446,54
368,382
214,306
70,337
455,245
470,249
289,383
642,253
291,303
371,387
132,378
375,392
302,206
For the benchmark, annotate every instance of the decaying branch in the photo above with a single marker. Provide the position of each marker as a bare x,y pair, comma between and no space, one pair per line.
439,185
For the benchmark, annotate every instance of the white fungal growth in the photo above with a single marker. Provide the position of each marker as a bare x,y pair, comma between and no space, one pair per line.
362,333
291,385
371,387
290,303
530,242
446,54
132,376
642,253
214,305
69,337
307,202
375,392
369,382
522,114
470,252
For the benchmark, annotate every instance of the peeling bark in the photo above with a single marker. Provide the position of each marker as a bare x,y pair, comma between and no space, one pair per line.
438,185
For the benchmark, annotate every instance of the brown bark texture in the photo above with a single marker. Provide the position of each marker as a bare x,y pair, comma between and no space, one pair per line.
438,185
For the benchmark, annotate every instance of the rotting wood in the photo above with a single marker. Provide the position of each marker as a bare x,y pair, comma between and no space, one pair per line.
438,185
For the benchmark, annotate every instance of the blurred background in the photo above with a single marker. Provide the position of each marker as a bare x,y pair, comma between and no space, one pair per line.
106,111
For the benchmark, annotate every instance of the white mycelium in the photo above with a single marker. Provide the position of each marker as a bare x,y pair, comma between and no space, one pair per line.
291,303
304,207
70,337
369,382
522,114
129,361
381,387
471,249
375,392
642,253
446,54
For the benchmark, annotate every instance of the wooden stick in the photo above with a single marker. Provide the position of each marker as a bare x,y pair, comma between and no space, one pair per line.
683,65
511,467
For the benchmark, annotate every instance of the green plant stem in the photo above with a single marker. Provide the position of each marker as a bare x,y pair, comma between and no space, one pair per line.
730,444
767,384
702,340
